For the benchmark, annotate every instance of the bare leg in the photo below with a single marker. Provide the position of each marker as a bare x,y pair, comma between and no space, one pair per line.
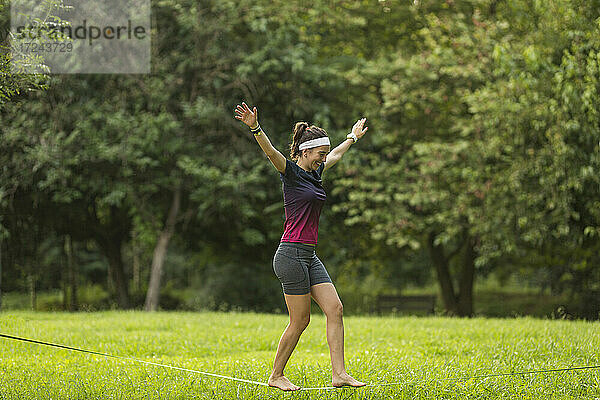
326,296
299,309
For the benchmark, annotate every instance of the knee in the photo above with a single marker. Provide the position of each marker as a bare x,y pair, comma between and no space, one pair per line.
299,324
336,311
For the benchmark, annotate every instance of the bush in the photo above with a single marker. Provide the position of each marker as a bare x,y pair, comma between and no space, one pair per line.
229,286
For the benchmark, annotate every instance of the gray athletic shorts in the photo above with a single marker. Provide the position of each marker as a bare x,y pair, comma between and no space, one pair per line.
298,267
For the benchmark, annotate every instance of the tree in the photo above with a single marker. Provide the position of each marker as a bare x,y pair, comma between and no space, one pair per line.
110,167
464,169
423,187
13,78
12,82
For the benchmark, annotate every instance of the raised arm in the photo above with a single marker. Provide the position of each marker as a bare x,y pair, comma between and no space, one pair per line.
250,118
336,154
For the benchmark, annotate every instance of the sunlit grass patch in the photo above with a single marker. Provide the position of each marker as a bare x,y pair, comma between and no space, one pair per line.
412,358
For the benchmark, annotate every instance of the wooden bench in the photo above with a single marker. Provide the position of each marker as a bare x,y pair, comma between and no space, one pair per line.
394,303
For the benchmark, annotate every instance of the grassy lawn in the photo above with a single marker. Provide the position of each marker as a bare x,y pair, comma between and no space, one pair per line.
423,356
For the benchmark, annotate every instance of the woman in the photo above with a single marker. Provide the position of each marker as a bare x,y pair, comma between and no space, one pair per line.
295,263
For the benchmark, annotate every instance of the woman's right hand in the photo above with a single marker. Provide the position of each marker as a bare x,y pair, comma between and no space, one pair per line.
247,116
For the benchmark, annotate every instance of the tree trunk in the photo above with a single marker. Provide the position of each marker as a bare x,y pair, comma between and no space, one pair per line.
136,264
0,274
160,252
32,292
442,269
111,239
65,276
73,275
110,236
117,273
467,278
64,283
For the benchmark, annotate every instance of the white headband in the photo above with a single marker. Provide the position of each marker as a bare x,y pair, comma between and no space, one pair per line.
322,141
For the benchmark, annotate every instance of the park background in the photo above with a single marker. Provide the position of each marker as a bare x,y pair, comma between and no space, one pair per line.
478,180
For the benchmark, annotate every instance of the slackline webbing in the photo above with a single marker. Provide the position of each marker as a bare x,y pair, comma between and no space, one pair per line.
129,358
264,384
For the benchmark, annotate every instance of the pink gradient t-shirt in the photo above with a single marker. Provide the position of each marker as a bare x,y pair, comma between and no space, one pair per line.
303,199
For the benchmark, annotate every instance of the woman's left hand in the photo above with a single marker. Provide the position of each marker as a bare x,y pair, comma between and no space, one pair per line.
358,130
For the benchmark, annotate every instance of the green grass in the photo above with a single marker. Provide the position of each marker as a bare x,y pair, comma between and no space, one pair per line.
422,355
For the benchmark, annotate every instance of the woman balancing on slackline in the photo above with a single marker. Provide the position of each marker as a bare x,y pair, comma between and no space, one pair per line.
295,263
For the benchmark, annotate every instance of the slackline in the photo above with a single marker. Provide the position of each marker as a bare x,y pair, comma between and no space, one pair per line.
264,384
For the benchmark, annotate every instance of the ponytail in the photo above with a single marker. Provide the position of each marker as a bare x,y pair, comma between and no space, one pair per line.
303,133
299,130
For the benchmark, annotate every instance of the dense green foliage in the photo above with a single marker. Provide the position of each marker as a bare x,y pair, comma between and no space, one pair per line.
424,358
482,156
12,63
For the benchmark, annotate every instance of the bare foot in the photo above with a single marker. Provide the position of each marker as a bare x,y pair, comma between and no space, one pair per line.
346,380
282,383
